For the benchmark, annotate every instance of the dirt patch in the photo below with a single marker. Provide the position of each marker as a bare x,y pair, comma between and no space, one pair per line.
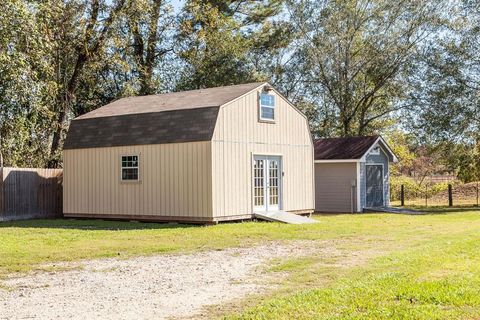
165,286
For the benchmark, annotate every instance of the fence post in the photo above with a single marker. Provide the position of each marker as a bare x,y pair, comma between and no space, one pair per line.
426,195
450,196
402,195
477,193
2,195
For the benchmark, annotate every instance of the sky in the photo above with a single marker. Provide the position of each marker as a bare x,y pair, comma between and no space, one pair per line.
177,4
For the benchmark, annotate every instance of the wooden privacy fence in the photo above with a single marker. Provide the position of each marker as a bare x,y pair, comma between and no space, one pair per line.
30,193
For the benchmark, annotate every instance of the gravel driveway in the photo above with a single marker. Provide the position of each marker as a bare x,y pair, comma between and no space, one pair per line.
154,287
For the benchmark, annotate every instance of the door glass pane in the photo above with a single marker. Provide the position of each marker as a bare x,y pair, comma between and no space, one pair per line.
258,182
273,181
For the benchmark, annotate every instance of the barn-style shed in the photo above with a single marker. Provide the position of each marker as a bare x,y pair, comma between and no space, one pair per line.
352,174
198,156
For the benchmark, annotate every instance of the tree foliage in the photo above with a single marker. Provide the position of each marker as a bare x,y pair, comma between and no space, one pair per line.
354,54
25,89
448,84
221,39
408,69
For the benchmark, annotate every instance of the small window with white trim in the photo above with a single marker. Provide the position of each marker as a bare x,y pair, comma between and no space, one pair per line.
267,107
375,151
130,168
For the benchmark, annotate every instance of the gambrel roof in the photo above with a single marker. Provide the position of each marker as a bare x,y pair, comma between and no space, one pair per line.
164,118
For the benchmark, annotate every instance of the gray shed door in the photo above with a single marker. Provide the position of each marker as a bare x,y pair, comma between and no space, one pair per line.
374,185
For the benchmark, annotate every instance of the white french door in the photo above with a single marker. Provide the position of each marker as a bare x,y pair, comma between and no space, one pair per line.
267,183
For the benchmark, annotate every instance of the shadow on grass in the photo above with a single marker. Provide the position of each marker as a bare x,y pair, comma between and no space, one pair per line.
86,224
442,209
417,211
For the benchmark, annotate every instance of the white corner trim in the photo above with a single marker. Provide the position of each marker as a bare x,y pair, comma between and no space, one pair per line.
359,209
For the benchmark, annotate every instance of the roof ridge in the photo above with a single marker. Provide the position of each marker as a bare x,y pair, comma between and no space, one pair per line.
181,100
193,90
354,137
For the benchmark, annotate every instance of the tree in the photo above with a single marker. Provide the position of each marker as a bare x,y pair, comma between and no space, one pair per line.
402,145
137,59
446,95
448,82
219,37
60,59
464,159
150,26
87,38
24,92
355,54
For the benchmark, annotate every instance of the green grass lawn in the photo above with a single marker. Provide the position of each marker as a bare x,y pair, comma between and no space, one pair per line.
416,267
432,274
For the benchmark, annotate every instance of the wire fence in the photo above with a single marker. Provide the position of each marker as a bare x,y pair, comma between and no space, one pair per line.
436,194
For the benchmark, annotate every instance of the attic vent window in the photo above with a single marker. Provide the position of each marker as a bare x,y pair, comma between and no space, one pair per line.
267,107
130,168
375,151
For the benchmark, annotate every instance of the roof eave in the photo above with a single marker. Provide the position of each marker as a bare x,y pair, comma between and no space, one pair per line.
337,160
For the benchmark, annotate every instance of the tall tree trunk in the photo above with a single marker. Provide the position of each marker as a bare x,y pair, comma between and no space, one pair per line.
346,124
66,99
1,149
57,137
145,51
151,44
90,46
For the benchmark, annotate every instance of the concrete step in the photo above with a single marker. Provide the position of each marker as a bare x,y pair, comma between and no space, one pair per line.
285,217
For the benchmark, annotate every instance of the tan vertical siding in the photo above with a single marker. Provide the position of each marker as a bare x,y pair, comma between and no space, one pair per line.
175,181
239,135
200,180
333,187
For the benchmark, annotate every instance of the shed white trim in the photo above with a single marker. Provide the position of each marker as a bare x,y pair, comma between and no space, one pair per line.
384,144
336,160
359,204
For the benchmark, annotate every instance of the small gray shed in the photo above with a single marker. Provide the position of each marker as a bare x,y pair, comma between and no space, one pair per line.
352,173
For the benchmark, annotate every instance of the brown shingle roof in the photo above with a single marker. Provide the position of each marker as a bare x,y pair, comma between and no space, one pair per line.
166,118
141,129
343,148
193,99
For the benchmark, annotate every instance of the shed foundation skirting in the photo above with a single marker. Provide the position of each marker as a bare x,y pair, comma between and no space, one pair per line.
136,217
179,219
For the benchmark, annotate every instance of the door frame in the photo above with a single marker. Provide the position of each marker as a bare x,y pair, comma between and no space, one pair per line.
383,181
280,183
